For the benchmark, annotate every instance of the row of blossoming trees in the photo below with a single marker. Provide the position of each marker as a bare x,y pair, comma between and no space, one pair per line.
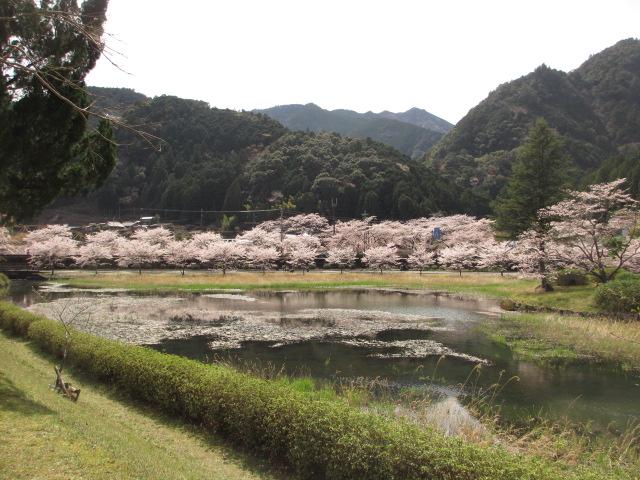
593,231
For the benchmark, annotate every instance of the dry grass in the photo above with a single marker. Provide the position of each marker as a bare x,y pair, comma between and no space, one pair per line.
602,338
485,283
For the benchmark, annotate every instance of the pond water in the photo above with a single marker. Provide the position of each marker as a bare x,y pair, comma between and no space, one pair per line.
397,336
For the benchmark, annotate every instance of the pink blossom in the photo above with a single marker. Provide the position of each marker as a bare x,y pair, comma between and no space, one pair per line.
341,257
381,257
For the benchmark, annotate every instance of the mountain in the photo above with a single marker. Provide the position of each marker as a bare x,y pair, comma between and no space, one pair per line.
211,162
412,132
595,111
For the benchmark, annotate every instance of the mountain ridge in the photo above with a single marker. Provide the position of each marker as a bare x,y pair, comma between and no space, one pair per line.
405,137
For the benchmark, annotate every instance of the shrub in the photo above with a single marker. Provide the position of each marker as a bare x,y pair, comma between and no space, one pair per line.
620,295
570,278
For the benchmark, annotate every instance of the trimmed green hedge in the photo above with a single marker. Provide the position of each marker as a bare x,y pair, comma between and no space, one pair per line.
312,438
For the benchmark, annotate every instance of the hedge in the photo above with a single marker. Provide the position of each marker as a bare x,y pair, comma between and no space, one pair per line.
308,437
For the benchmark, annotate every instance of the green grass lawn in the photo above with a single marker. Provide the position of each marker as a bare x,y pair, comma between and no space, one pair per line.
104,435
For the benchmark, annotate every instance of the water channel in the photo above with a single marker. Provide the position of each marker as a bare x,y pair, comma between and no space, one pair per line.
397,336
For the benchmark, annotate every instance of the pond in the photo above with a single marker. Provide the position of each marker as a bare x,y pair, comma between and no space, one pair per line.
408,339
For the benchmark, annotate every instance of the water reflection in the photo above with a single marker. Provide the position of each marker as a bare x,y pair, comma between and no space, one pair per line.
358,334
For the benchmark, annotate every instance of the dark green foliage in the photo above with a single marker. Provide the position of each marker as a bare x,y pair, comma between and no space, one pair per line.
537,181
594,111
204,150
620,295
311,438
406,138
611,80
45,147
625,165
363,175
570,278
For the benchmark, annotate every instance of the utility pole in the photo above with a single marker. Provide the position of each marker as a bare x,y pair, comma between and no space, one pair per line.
334,204
281,224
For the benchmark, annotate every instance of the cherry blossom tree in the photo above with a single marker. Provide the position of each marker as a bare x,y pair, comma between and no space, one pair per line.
593,230
301,256
50,247
6,241
355,234
292,242
203,239
181,254
263,258
464,229
461,256
421,258
137,253
159,236
261,237
99,248
497,256
534,257
381,257
145,247
341,257
222,254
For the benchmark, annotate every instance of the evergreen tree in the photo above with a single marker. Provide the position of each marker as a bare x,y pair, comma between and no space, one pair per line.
539,174
45,148
233,198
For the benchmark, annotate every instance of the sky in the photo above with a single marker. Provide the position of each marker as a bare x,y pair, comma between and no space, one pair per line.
442,56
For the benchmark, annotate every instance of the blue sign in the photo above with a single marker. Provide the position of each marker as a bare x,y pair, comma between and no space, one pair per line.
437,233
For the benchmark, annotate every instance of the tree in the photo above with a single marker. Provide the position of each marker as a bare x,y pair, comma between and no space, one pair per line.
233,198
6,241
497,256
137,253
462,256
98,249
538,177
302,256
262,257
50,247
421,257
341,257
594,230
181,254
45,147
222,254
381,258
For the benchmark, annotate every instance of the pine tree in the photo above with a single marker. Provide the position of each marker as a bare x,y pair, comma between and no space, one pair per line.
46,149
539,175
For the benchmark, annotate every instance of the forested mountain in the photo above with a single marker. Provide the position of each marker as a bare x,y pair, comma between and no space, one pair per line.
360,175
223,160
595,111
203,150
412,132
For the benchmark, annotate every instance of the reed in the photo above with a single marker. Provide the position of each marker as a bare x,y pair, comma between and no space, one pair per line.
567,337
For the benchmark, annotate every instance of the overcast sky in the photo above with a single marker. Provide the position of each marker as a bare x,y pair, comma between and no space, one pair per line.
443,56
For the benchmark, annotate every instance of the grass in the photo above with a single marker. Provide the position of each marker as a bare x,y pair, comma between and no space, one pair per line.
612,454
491,285
104,435
552,338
